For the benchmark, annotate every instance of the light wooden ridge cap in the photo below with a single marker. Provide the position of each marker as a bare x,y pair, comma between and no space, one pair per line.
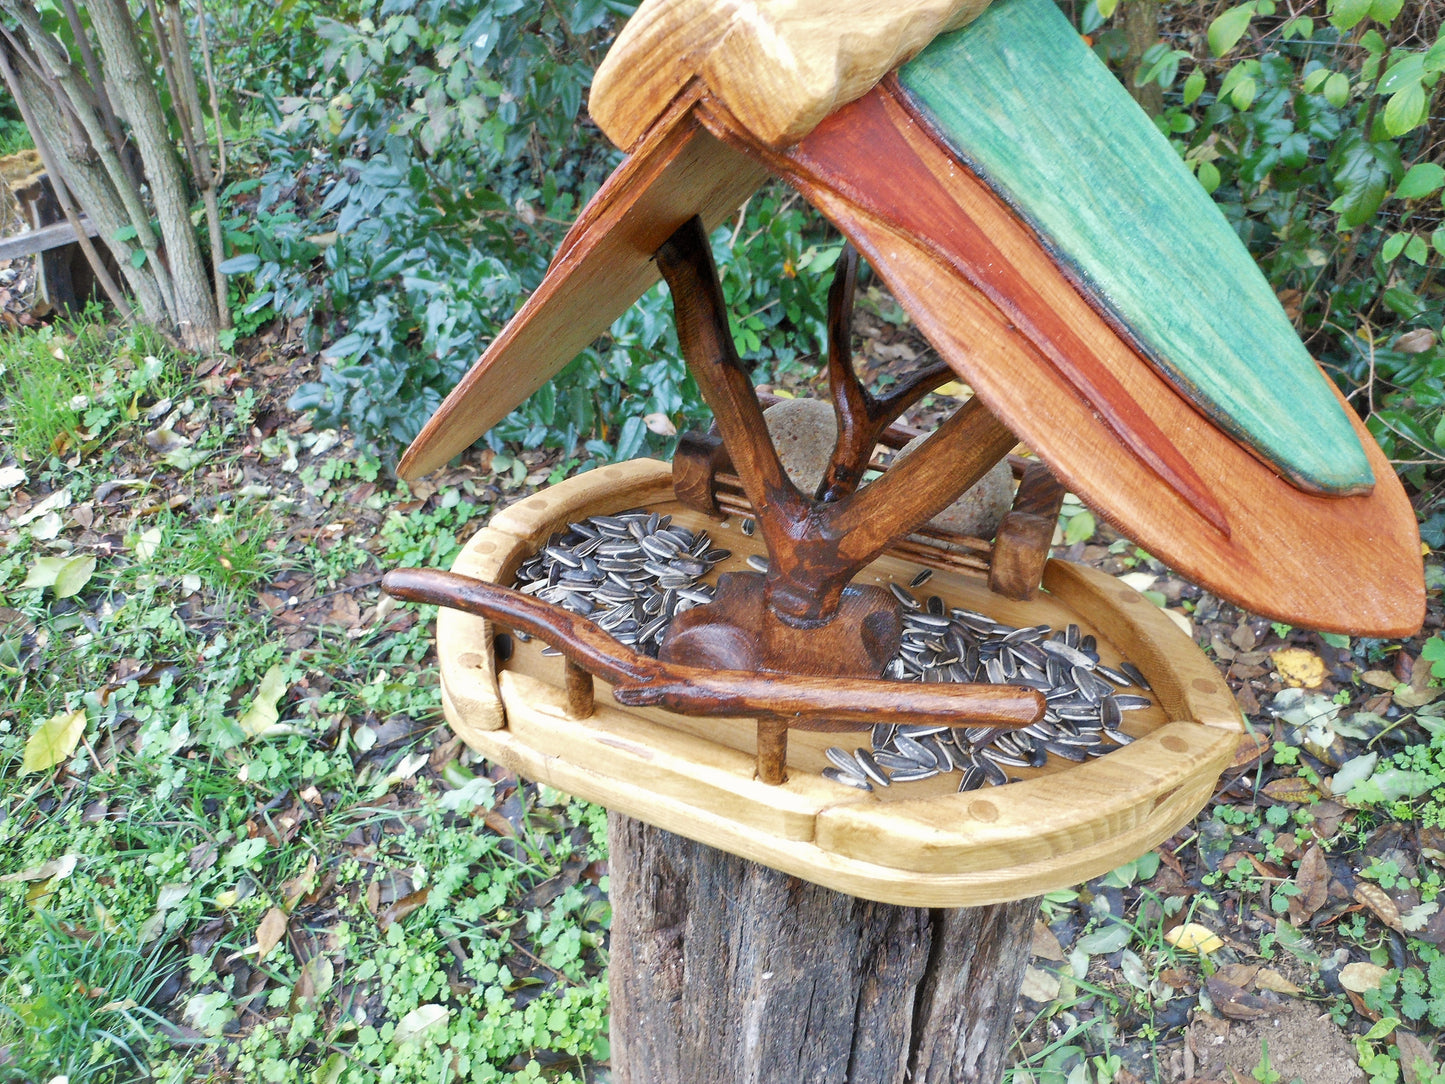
780,66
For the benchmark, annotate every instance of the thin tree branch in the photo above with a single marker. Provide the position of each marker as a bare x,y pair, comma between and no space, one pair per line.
97,83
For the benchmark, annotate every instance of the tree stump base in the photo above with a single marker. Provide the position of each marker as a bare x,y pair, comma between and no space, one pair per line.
725,971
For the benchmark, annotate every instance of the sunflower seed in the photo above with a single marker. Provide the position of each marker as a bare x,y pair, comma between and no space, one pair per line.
870,767
1137,674
855,781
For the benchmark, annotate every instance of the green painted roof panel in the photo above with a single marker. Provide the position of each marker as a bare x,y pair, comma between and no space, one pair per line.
1022,101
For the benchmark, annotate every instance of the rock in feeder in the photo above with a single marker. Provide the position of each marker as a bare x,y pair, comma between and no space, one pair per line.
804,432
980,510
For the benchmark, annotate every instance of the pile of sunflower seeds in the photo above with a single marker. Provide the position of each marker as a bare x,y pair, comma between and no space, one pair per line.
631,573
1083,716
634,571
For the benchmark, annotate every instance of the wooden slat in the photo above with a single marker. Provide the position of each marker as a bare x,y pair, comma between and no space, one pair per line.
780,65
604,265
1029,107
44,239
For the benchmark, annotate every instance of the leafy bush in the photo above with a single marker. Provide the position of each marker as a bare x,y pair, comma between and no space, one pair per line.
404,229
1315,138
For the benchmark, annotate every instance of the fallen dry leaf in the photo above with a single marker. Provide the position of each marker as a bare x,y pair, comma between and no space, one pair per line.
1378,900
399,909
1299,668
1192,937
1251,747
1040,985
53,741
1234,1003
1361,976
298,886
1270,979
1312,880
270,932
56,867
1416,1062
419,1020
1045,944
1291,789
1380,679
1240,975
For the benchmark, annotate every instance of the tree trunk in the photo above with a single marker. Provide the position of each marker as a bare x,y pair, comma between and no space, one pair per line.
87,178
1141,28
724,971
129,81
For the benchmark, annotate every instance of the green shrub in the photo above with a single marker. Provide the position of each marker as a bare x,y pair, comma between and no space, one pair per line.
414,195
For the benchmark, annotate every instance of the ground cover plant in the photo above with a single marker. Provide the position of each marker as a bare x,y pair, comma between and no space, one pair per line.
237,841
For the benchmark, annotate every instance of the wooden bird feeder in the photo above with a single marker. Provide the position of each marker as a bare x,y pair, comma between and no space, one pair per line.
1064,264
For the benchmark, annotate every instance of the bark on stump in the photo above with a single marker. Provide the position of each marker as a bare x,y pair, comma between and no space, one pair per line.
724,971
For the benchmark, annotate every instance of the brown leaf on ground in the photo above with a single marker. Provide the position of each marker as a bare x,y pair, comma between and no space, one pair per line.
1361,976
1378,900
499,824
1312,880
1270,979
1045,944
1233,1002
1251,747
1292,789
395,912
1327,816
1380,679
1299,667
298,886
270,932
1417,1063
1241,975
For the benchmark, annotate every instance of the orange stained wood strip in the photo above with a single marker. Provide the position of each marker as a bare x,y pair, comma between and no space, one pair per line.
876,137
1340,563
604,265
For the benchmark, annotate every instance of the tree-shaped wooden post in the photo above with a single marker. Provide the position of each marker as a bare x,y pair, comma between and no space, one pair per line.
770,924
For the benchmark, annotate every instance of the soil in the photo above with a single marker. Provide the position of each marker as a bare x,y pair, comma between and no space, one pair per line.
1303,1044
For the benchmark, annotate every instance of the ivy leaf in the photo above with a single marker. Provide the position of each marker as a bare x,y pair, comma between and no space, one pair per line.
53,741
1421,180
1226,30
1384,11
1337,89
1416,250
1405,110
1194,86
1349,13
1393,246
1362,176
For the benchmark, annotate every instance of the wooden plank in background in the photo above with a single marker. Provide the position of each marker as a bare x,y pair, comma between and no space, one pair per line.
44,239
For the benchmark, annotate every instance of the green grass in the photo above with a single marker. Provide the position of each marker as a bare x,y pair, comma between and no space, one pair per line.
172,830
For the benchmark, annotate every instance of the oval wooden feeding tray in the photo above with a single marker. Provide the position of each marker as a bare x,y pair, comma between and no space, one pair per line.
919,844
